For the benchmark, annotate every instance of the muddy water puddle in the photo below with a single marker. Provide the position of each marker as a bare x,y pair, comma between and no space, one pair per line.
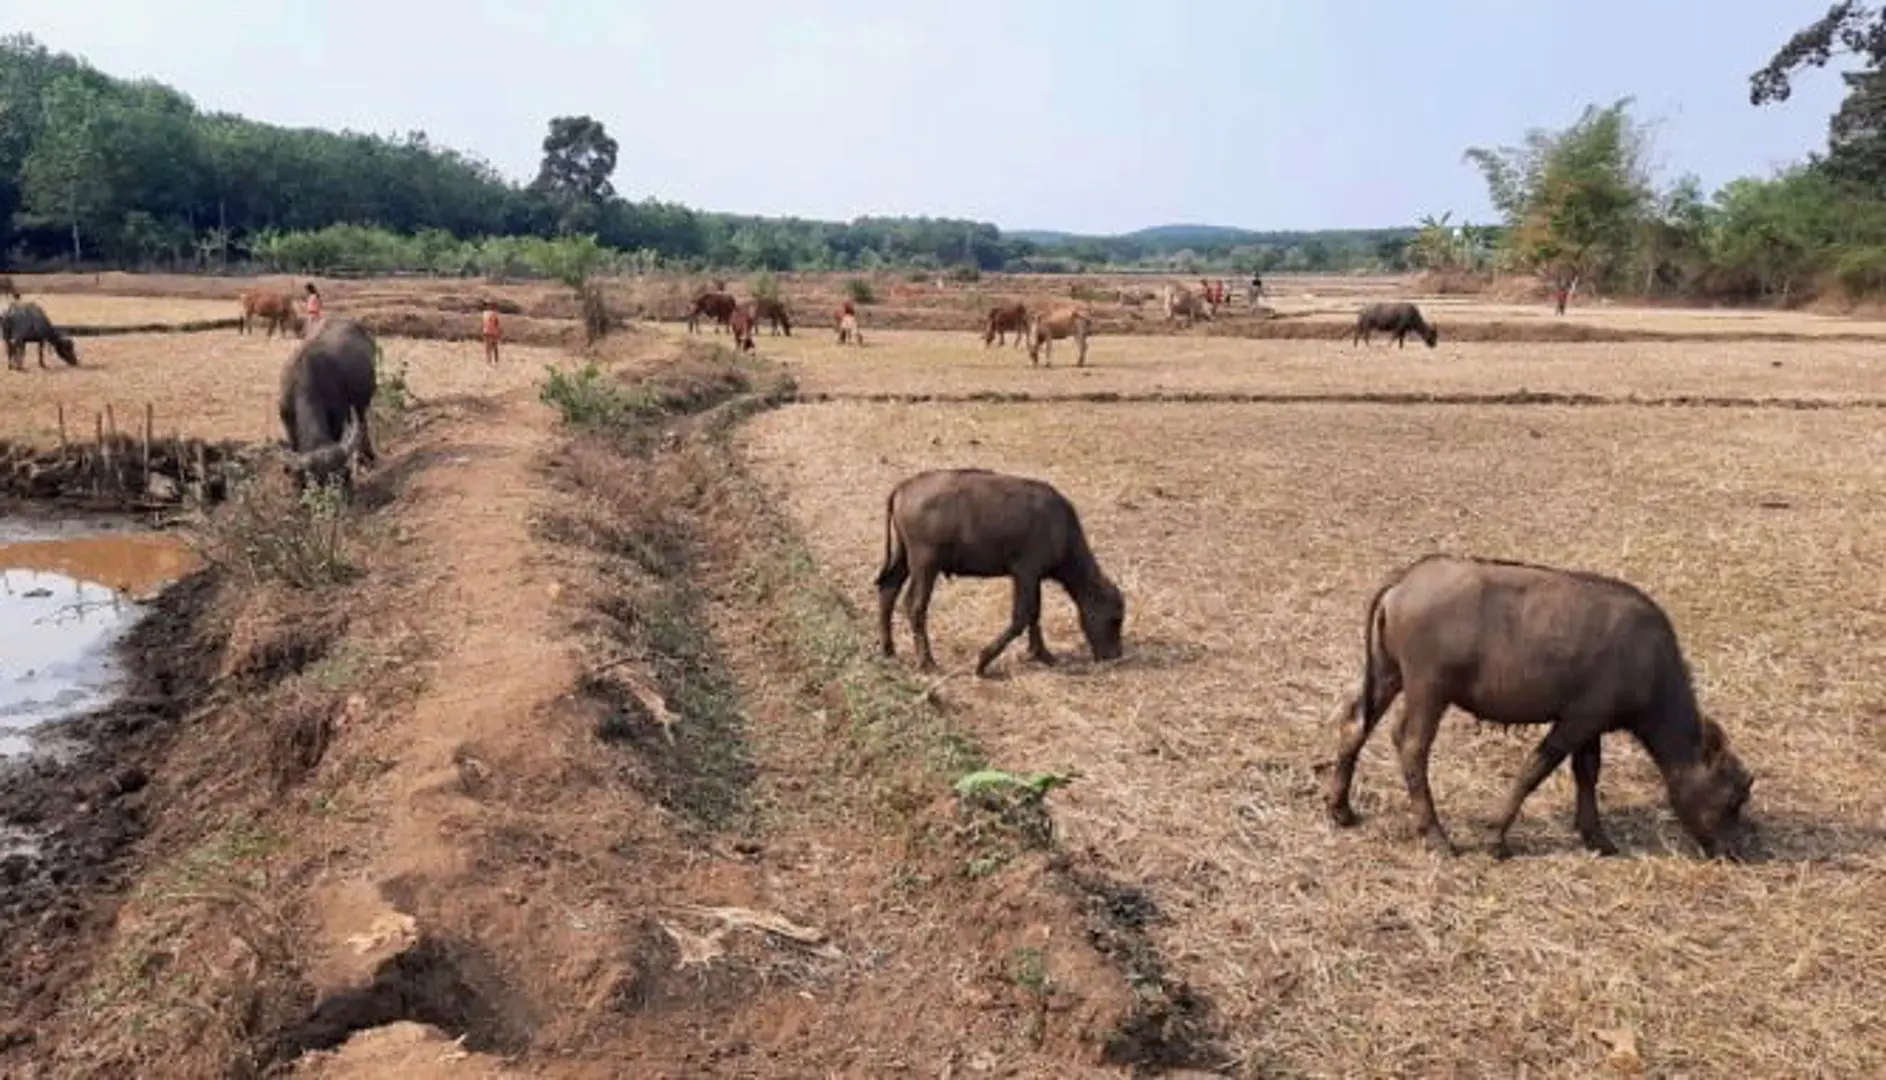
69,592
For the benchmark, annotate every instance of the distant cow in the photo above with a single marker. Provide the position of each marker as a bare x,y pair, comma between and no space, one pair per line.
742,322
326,392
1511,643
277,309
981,524
1005,319
26,323
1062,323
774,311
1183,302
717,306
1397,319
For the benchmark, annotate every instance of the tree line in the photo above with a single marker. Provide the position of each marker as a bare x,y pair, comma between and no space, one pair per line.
97,171
1580,206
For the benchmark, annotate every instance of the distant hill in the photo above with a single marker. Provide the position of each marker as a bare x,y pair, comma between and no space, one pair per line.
1167,238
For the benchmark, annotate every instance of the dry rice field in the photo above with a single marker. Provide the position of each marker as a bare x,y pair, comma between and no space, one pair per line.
1247,537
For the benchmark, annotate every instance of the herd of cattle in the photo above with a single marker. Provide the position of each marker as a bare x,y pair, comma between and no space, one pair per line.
1507,643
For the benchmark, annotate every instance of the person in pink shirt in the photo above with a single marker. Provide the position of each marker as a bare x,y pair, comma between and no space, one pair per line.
314,302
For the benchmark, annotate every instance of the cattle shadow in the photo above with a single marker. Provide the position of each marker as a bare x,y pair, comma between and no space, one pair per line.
1650,830
381,486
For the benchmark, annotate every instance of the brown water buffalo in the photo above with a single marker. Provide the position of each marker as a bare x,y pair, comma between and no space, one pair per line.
23,324
1183,302
328,385
744,318
1046,329
277,309
1397,319
982,524
1511,643
775,312
717,306
1003,320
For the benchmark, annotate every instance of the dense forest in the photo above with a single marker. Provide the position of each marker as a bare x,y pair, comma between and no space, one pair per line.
97,172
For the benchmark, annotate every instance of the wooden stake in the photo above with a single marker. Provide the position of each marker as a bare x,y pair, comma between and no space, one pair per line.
62,447
148,411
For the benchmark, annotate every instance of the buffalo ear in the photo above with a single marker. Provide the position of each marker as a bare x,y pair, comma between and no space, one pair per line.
1714,741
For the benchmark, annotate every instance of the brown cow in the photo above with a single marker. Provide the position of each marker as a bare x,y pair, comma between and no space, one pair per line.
1061,323
774,311
981,524
1181,301
1512,643
715,305
1397,320
742,322
1003,319
277,309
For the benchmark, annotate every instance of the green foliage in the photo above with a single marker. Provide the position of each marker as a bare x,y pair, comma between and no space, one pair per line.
861,291
588,398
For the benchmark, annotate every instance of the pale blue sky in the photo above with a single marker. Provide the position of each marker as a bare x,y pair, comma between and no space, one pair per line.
1095,116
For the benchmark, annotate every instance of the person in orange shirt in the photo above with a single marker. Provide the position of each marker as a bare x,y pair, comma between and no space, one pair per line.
491,331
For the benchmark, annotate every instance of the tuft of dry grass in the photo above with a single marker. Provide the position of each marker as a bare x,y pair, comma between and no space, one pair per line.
1247,539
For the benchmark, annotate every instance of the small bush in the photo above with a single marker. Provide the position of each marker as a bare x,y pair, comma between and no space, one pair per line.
265,532
1862,271
586,398
861,291
766,287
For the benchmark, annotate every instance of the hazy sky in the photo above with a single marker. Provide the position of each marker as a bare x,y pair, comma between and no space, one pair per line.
1087,115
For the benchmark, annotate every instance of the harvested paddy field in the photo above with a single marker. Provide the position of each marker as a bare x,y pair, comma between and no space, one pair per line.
223,385
1247,539
956,365
87,310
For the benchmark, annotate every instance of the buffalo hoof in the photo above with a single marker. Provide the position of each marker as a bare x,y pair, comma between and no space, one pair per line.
1439,844
1600,844
928,667
1044,658
1343,817
1500,851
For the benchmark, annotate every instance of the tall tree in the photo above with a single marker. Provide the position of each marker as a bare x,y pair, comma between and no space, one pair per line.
1856,135
579,159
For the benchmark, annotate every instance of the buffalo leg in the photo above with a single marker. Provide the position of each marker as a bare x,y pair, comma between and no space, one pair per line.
1545,757
890,582
367,454
1359,717
1026,613
1586,762
917,609
1421,712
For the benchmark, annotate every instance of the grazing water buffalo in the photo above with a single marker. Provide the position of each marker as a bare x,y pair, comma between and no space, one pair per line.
26,323
717,306
1003,320
1397,319
276,309
327,385
742,322
1181,301
1062,323
1511,643
982,524
774,311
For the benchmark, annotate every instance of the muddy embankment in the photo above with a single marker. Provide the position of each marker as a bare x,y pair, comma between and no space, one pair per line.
727,840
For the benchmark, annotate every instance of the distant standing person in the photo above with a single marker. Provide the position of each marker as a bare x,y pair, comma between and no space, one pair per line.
491,331
1257,286
314,302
